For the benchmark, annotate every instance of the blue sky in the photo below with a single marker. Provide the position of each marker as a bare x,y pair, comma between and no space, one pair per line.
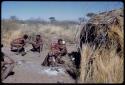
60,10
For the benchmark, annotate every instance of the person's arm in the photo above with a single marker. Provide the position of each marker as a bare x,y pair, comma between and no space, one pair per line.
64,50
2,63
41,44
18,43
30,42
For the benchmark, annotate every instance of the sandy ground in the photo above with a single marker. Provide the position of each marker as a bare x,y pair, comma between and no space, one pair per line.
28,69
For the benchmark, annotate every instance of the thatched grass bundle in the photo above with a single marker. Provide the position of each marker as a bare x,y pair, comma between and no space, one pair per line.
101,41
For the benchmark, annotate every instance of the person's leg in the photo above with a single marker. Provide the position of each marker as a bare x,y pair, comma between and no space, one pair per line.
54,61
49,58
8,68
33,48
50,61
23,51
59,59
45,62
19,50
38,49
63,54
13,48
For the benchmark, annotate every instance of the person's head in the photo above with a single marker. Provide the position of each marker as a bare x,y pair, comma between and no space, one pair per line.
60,41
38,37
25,36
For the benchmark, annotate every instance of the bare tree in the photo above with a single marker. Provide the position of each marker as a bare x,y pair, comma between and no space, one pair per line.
52,19
14,18
90,14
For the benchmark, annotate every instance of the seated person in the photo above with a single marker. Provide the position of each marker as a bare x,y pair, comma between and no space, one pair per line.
37,44
62,47
62,50
57,50
18,44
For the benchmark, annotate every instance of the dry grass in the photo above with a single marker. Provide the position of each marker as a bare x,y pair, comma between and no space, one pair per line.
107,66
12,30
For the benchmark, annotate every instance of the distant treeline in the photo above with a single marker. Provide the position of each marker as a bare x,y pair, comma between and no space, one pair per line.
37,21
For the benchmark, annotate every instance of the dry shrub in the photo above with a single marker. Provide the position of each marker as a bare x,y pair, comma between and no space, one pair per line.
9,36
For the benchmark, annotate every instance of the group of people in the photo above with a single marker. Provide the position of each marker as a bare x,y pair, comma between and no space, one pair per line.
57,50
18,45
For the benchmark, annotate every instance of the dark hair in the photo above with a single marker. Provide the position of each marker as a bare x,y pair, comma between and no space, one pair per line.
59,40
38,35
25,36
